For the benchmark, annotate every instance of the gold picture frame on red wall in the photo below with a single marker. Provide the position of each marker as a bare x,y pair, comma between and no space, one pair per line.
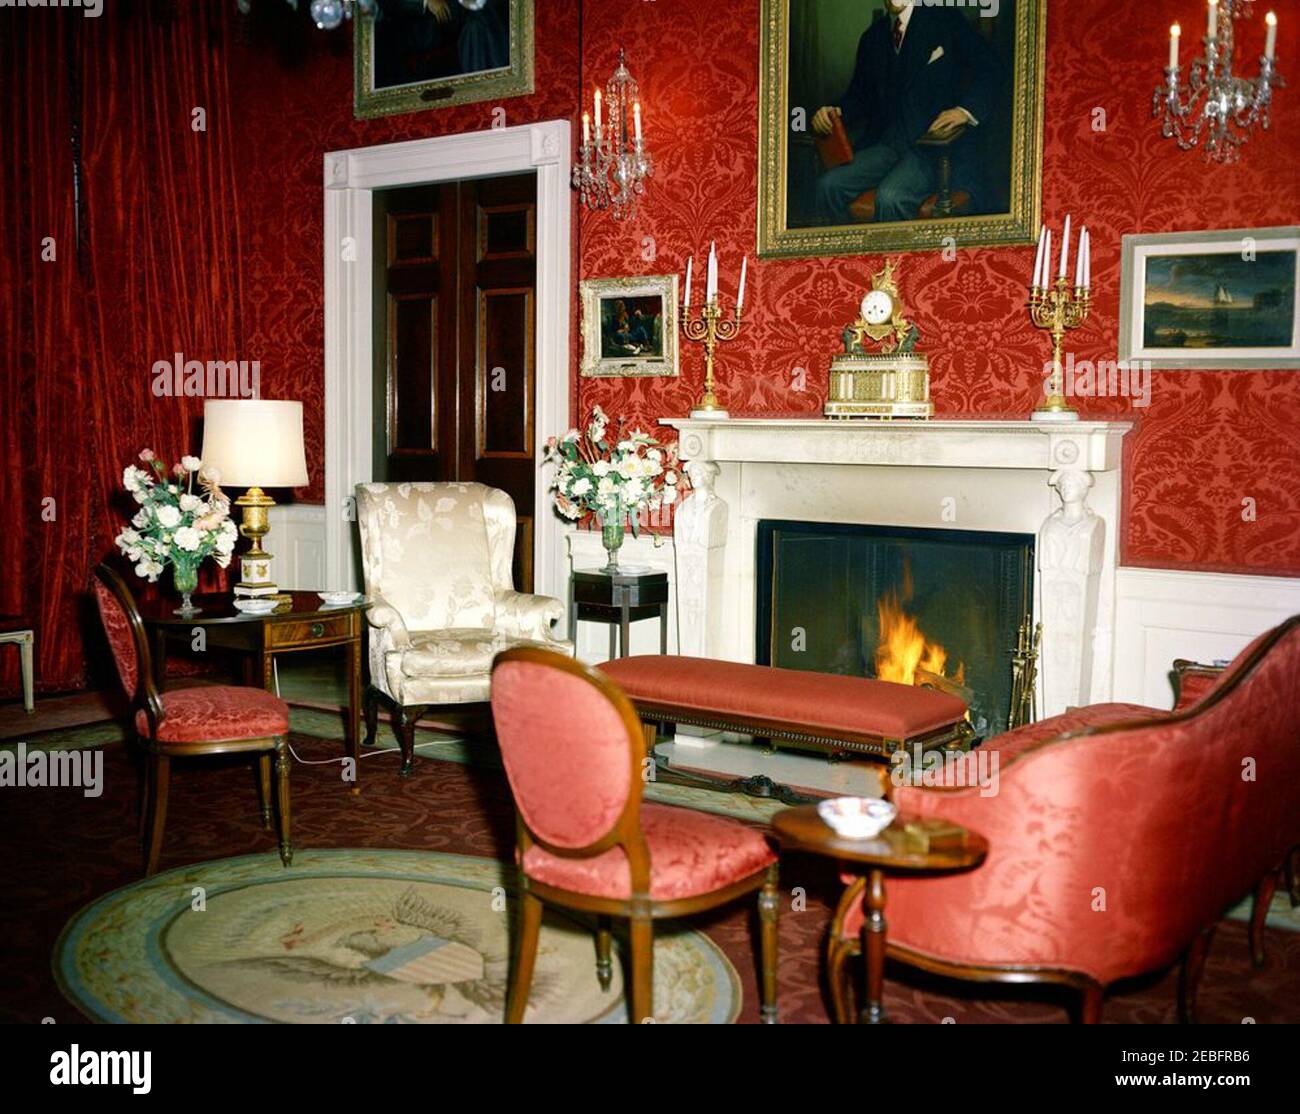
629,326
899,125
418,54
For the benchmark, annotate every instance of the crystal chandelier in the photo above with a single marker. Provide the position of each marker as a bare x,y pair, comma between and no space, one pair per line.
326,14
1215,104
613,164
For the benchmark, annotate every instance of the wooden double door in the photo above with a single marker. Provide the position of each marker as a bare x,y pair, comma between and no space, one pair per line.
455,365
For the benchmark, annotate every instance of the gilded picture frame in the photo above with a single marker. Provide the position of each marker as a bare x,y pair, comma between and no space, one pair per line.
1225,300
388,82
629,326
794,216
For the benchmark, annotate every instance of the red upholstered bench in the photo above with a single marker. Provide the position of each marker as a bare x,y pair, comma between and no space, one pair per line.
817,711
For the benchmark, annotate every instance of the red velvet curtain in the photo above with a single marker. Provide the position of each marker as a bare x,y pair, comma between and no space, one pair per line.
159,271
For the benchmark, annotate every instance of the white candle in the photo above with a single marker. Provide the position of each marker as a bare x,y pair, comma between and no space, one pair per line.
1212,23
1046,276
1038,257
597,111
1065,247
1087,265
1174,32
689,264
1078,259
636,120
740,294
586,129
1270,35
711,280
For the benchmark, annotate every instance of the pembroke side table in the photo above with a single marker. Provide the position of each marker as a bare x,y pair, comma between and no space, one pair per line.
619,599
301,622
801,829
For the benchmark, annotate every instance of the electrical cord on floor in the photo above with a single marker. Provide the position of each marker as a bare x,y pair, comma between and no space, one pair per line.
373,752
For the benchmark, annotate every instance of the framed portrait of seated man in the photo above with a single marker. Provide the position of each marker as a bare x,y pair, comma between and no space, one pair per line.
899,125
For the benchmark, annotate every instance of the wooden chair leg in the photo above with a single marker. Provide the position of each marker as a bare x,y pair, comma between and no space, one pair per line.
1090,1006
404,720
282,798
604,947
146,797
841,987
530,926
370,709
769,903
264,788
1258,913
1189,976
641,1001
160,777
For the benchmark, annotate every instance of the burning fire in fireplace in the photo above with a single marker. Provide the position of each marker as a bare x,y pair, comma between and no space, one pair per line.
904,650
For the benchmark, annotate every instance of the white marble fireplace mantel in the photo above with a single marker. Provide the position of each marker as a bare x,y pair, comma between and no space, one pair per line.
1057,481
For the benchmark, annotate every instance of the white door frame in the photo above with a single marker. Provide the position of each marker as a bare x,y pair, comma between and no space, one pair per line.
350,179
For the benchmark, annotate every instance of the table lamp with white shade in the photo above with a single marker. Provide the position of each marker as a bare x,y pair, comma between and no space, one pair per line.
254,443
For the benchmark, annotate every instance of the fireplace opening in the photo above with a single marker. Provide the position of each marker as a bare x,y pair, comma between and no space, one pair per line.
916,606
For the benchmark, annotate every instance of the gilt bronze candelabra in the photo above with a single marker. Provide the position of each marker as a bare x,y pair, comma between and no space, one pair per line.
711,328
1057,308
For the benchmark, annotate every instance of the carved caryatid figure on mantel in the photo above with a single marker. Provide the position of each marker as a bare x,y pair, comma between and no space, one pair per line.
700,537
1071,550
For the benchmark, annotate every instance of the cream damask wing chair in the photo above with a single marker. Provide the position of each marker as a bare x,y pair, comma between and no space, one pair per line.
437,560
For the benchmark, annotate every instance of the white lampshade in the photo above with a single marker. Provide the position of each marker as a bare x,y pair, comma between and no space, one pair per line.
254,442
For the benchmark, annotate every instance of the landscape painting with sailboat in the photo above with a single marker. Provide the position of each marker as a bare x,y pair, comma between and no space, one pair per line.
1220,300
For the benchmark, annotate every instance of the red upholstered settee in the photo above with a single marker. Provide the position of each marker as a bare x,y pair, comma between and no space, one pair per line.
1118,837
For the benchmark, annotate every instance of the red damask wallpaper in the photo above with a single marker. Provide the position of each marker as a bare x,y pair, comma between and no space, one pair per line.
1208,439
210,242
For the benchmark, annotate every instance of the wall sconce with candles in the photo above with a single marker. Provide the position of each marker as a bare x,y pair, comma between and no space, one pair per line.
613,163
1215,103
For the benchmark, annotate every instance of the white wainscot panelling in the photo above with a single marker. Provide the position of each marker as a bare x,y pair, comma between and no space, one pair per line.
297,541
1163,614
585,552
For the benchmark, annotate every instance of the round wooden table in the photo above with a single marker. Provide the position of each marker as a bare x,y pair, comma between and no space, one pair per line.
801,829
302,621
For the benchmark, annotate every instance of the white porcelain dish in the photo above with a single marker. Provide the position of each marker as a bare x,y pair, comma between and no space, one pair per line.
857,817
256,607
336,599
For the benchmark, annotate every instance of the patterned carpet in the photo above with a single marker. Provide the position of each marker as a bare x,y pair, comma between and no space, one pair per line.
66,850
367,937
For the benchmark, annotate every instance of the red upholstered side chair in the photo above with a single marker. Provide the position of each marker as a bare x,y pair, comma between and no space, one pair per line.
574,752
1118,837
192,722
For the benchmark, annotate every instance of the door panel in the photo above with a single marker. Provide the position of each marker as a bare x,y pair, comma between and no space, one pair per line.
505,374
498,355
420,332
412,407
459,355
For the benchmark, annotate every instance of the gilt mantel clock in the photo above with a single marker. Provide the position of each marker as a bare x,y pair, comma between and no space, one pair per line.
880,374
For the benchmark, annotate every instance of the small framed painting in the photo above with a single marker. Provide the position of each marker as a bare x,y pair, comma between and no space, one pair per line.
629,326
1226,299
417,54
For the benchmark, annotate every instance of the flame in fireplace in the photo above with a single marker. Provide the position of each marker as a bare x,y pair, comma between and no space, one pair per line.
903,646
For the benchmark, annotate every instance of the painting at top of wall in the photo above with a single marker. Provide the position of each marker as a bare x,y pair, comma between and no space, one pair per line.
1227,299
418,54
894,125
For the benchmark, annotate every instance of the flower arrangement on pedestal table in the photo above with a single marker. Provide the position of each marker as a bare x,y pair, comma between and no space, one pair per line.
613,478
176,525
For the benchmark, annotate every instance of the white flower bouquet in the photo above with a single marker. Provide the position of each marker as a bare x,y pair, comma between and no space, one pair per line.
176,525
613,478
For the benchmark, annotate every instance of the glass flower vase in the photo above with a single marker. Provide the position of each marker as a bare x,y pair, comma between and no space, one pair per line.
185,575
611,536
